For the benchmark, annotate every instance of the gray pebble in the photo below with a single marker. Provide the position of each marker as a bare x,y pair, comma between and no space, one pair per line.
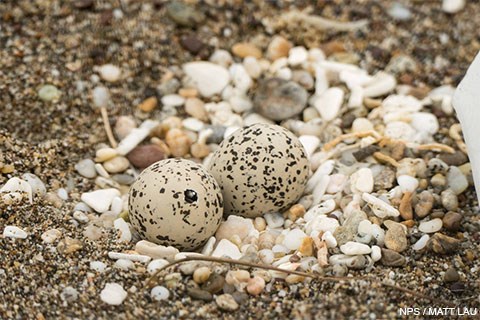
451,275
124,179
184,15
392,258
214,284
86,168
217,135
199,294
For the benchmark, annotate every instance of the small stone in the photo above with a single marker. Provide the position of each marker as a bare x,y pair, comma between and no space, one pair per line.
226,248
199,294
124,126
376,254
329,239
255,285
348,230
274,220
449,200
192,44
234,225
124,264
226,302
100,200
407,183
124,233
424,204
279,99
155,251
51,235
451,275
159,293
14,232
178,142
362,180
49,93
297,55
279,47
92,232
395,237
294,238
399,12
421,243
356,262
379,207
145,155
101,97
184,15
214,283
37,185
456,159
69,245
405,207
86,168
98,266
83,4
199,150
456,180
113,294
391,258
116,165
442,244
110,72
452,220
453,6
328,104
201,275
196,108
156,265
208,78
69,294
431,226
148,104
383,180
252,66
354,248
245,49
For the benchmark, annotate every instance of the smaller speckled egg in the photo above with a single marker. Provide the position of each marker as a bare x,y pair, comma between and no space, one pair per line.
261,168
175,202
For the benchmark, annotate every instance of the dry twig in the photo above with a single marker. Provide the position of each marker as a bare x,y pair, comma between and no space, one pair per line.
108,129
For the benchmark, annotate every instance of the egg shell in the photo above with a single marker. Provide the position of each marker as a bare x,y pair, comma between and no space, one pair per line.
261,168
175,202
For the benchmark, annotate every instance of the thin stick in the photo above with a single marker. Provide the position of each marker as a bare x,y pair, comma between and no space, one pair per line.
155,276
108,129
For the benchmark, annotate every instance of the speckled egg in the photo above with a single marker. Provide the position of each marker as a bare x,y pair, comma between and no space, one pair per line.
175,202
261,168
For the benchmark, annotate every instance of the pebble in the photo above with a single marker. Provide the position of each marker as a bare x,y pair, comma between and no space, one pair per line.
123,230
69,245
178,142
124,264
395,237
362,181
184,15
172,100
69,294
274,220
424,122
51,235
348,230
400,12
451,275
16,189
456,180
382,84
124,126
37,185
148,104
98,266
255,285
453,6
49,93
354,248
135,136
226,302
456,159
201,275
407,183
278,99
14,232
129,256
431,226
110,72
279,47
100,200
452,220
92,232
210,79
159,293
391,258
245,49
192,124
196,108
199,294
113,294
192,44
116,165
234,225
421,243
101,97
376,254
294,238
310,143
424,204
328,104
297,56
226,248
380,208
214,283
156,251
442,244
352,262
329,239
145,155
252,66
449,200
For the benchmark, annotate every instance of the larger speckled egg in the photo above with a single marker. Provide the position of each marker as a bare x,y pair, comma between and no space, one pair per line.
175,202
261,168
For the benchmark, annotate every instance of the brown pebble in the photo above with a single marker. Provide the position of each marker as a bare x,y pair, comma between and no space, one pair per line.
199,150
451,275
408,223
395,237
178,142
143,156
391,258
366,152
424,204
84,4
245,49
278,48
296,211
148,104
188,92
333,47
442,244
214,283
196,108
452,220
456,159
192,44
398,151
469,255
199,294
8,168
69,245
406,206
306,248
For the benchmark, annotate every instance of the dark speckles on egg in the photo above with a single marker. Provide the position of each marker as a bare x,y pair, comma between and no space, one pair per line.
261,168
176,202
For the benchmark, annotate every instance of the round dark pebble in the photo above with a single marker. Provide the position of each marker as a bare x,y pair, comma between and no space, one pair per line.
217,135
456,159
192,44
452,220
451,275
124,179
143,156
184,14
199,294
457,287
392,258
214,284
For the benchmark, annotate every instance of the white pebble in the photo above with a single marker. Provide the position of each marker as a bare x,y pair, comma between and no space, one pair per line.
355,248
136,136
38,187
160,293
240,77
155,251
86,168
155,265
424,122
456,180
362,124
51,235
14,232
266,255
407,183
293,239
274,220
381,84
109,72
421,243
254,69
362,180
128,256
240,103
124,264
431,226
221,57
100,200
123,230
101,97
117,205
208,78
376,254
226,248
322,223
329,103
17,188
98,266
193,124
310,143
172,100
329,239
113,294
379,207
453,6
62,194
297,56
80,216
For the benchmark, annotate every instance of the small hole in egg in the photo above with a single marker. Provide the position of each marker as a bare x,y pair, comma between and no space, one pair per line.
190,196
